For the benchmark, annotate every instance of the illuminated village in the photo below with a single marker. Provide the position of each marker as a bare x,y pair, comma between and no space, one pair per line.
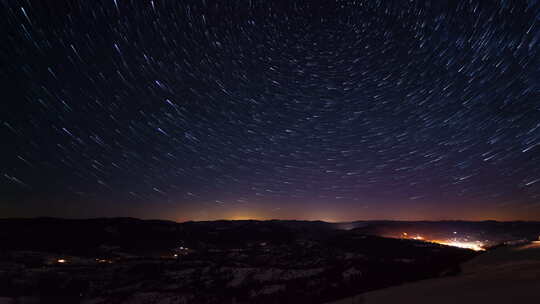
455,242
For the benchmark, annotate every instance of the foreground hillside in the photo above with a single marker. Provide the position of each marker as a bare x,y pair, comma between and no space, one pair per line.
135,261
504,275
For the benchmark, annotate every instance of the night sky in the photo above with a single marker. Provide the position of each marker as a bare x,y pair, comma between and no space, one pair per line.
332,110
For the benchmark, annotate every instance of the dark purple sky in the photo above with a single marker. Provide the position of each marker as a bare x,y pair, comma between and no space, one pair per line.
271,109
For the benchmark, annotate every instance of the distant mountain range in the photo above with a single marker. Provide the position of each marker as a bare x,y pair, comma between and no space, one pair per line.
136,234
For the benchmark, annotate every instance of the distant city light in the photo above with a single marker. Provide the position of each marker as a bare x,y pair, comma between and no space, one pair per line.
103,261
61,261
476,246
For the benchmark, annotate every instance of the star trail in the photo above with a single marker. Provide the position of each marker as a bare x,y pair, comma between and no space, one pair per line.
332,110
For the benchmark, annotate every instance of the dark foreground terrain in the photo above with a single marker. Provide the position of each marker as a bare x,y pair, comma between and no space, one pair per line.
504,275
126,260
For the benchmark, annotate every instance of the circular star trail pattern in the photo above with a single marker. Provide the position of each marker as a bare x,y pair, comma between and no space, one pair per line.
207,106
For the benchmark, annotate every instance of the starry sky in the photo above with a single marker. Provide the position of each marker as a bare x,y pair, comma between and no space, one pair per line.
332,110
